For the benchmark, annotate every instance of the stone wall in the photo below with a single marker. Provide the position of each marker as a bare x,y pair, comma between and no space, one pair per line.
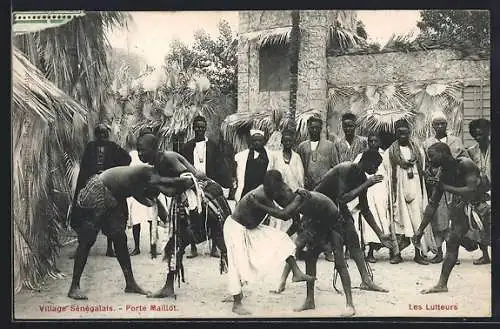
312,87
432,65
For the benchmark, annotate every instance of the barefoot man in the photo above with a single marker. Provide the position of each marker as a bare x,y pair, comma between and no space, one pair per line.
321,224
171,166
461,178
252,247
103,201
342,184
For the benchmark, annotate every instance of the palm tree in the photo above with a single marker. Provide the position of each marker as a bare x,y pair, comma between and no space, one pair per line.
47,127
294,50
73,56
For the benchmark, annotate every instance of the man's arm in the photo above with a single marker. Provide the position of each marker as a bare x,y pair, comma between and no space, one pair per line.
429,212
122,157
190,167
368,216
286,213
354,193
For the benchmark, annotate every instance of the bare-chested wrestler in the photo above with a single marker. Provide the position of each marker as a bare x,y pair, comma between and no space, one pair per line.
170,166
252,247
103,201
460,177
321,224
342,184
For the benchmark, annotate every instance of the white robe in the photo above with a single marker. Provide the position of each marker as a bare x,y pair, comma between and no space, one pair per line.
411,200
139,213
293,176
378,198
252,252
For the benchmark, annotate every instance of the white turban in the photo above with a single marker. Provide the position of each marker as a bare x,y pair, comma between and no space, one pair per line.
438,115
254,132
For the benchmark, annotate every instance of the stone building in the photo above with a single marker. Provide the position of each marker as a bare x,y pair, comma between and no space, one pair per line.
263,72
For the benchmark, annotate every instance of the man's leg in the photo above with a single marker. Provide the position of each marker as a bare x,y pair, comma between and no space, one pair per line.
459,229
120,242
85,241
371,248
341,267
311,262
352,243
136,232
109,250
484,212
168,288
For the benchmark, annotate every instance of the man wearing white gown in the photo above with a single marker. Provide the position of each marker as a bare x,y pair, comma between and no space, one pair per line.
377,196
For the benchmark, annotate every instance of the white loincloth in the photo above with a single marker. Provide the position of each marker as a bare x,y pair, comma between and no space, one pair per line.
251,252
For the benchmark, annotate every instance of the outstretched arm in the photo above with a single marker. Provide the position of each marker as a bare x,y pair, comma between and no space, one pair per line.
286,213
354,193
190,167
368,216
429,212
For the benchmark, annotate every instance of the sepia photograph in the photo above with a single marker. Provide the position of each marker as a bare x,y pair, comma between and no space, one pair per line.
251,164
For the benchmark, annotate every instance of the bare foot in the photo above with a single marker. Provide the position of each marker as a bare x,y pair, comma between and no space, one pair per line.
370,286
435,289
133,288
240,310
76,293
163,293
280,289
350,311
308,305
302,277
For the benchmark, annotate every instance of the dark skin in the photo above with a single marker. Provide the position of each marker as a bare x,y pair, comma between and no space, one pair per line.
249,214
352,242
467,192
482,137
139,182
200,128
306,203
439,126
169,165
314,130
349,128
403,137
287,142
258,142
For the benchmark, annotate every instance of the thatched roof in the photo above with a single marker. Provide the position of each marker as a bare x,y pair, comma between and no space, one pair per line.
34,94
236,127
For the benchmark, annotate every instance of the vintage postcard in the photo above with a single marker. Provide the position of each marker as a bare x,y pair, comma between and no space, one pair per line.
251,164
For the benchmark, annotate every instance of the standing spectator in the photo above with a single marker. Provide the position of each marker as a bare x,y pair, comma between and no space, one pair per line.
205,156
404,163
252,164
289,164
479,129
99,155
378,196
318,156
351,144
441,221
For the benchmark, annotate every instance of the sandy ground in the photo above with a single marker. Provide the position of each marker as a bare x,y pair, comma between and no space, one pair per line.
202,294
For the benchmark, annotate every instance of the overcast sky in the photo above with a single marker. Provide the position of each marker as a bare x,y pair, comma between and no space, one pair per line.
151,32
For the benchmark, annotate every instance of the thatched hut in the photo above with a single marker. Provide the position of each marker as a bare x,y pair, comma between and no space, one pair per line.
46,125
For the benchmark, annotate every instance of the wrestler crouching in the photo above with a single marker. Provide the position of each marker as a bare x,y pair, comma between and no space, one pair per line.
103,206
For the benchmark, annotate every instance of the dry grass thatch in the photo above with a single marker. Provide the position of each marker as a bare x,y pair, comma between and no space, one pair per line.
236,127
379,107
47,130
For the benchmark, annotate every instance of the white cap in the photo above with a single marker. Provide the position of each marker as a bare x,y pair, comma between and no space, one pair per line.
438,115
254,132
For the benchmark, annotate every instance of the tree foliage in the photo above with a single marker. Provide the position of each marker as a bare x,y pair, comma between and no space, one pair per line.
465,27
215,58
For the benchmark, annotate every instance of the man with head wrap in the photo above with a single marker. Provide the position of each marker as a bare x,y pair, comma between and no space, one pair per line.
252,164
404,163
